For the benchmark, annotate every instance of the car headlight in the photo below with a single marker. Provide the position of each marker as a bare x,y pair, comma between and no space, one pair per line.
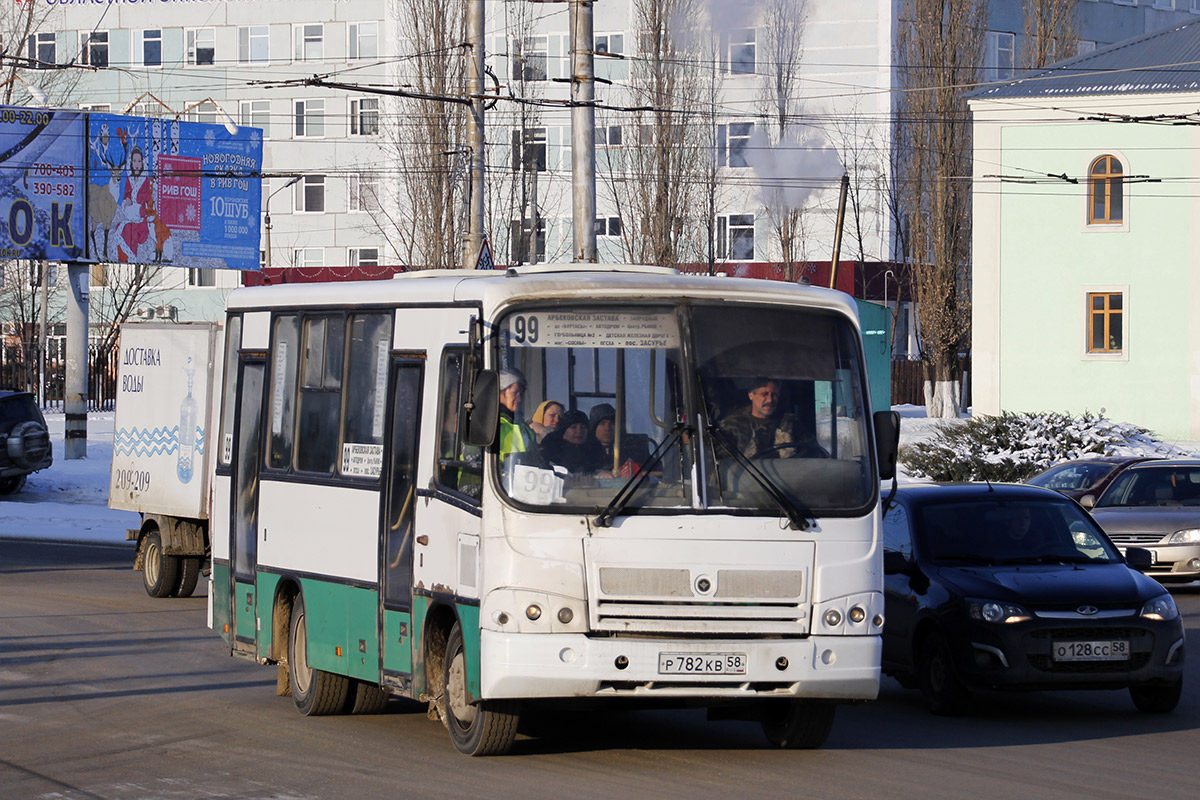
1003,613
1162,608
1186,536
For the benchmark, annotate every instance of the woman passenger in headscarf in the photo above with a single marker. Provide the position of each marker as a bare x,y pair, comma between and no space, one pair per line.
547,418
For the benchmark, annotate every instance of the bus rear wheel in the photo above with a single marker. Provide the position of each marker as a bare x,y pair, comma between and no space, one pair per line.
487,728
798,724
315,691
160,572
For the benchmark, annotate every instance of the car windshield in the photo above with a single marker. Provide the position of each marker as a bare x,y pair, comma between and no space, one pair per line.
781,386
1010,531
1154,486
1075,476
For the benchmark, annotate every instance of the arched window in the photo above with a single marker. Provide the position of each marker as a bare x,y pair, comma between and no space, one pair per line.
1106,197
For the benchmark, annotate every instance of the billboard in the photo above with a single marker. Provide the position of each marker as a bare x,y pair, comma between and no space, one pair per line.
41,184
117,189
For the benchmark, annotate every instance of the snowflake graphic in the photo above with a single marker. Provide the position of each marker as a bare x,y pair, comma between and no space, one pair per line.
210,138
190,213
255,136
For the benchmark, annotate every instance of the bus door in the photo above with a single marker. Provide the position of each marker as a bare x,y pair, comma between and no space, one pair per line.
244,505
397,521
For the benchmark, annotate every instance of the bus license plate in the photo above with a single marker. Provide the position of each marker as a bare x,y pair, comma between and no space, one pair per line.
701,663
1116,650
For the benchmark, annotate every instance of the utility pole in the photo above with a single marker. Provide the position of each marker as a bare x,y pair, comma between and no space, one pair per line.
75,391
583,131
473,240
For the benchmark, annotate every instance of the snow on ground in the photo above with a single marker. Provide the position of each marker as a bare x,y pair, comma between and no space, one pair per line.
69,501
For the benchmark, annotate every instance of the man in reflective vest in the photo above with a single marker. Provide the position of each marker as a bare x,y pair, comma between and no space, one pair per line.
515,434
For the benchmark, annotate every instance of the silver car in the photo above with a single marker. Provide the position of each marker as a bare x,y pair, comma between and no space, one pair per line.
1155,505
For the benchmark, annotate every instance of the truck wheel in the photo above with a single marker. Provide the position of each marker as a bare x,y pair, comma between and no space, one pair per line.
160,572
798,724
315,691
11,485
487,728
189,574
1157,698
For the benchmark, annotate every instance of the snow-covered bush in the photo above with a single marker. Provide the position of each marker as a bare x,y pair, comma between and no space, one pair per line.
1015,447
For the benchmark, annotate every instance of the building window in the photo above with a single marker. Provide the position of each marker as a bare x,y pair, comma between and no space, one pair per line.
93,48
1105,322
153,108
523,250
608,226
364,192
364,257
97,108
364,116
364,40
43,48
255,114
202,277
612,43
733,143
311,257
735,237
310,195
999,55
739,51
202,47
1169,5
608,135
310,119
529,156
529,58
205,112
1088,46
1195,9
1106,204
310,42
147,48
254,44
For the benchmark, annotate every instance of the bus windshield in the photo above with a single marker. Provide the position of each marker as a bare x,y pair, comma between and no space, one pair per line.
726,408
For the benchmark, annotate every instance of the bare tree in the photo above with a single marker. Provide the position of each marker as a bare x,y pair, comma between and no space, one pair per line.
1051,31
117,292
423,214
939,49
657,195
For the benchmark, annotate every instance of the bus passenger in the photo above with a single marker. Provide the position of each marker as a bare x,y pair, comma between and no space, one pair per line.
570,447
515,435
547,418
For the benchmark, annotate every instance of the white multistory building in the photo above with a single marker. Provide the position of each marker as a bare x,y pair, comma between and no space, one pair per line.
200,59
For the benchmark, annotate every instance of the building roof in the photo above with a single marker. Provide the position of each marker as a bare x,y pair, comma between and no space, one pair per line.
1155,63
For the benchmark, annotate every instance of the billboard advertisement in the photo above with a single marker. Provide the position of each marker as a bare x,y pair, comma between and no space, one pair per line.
41,184
173,193
117,189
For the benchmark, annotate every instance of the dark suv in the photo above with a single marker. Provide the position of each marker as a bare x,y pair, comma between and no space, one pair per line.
24,440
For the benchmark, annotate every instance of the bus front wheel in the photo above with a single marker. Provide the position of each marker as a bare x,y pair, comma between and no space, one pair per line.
798,724
486,728
315,691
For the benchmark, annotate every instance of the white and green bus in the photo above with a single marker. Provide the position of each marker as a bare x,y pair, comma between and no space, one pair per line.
383,524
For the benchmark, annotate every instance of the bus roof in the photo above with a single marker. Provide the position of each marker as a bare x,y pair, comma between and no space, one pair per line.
495,288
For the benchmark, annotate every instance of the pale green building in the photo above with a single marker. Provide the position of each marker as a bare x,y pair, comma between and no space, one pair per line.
1087,197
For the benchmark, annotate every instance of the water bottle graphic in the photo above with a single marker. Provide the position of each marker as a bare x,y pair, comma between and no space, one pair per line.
184,466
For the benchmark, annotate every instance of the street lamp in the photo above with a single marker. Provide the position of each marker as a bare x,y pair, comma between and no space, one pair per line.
267,218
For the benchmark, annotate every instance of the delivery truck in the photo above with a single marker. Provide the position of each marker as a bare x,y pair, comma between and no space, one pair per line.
161,450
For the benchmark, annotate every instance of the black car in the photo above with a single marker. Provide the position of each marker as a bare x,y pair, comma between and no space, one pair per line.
1005,586
24,441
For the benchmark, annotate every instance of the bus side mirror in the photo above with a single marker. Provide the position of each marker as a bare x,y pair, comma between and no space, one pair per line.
482,409
887,442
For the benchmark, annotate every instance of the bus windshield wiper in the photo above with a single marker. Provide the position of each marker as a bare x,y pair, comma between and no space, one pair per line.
621,499
796,516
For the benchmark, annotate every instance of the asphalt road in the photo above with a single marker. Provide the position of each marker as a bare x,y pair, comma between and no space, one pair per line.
106,693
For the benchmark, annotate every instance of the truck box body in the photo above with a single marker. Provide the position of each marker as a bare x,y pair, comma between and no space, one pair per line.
164,399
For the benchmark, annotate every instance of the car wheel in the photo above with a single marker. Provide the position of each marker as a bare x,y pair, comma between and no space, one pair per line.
1156,698
315,691
798,724
486,728
943,690
11,485
189,574
160,572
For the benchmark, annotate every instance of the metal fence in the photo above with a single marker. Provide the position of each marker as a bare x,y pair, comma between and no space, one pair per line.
19,369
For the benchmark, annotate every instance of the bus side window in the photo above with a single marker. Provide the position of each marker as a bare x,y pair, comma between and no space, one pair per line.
285,348
459,466
320,401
